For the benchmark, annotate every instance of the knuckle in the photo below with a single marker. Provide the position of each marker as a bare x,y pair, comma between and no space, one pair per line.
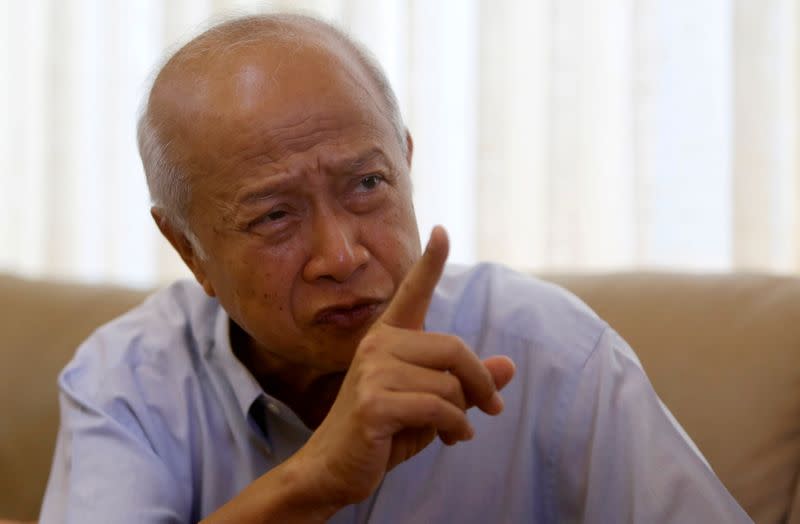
452,388
372,373
433,411
367,404
454,345
462,345
370,344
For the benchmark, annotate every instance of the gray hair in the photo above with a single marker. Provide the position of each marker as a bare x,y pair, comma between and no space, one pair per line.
167,181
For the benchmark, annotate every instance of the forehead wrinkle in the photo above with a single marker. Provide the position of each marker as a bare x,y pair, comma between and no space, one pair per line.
310,132
255,155
287,128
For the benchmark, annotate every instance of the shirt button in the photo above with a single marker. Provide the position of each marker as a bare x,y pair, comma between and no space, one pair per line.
273,408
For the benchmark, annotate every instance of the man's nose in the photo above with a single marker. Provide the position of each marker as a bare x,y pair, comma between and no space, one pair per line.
336,252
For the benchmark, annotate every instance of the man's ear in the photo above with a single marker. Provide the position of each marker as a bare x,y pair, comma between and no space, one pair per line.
184,247
409,148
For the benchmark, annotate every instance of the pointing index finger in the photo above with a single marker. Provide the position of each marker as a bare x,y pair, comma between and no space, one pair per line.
410,304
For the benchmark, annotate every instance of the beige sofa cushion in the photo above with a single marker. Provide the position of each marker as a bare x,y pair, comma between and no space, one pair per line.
723,352
41,325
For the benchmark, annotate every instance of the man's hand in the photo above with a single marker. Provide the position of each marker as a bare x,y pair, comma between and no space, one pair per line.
404,387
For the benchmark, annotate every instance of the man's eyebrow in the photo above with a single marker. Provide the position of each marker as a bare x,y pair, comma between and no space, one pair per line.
362,159
274,185
279,181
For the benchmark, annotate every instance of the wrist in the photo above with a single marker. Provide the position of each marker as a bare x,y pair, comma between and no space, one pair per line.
290,494
305,489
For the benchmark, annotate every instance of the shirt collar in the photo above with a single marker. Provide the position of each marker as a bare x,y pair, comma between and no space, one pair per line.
245,387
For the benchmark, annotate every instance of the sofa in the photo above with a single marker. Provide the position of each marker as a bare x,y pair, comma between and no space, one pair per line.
723,352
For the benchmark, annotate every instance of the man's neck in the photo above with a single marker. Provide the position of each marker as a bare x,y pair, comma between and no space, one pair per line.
310,393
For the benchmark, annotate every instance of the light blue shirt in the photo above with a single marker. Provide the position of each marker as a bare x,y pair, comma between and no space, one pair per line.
161,423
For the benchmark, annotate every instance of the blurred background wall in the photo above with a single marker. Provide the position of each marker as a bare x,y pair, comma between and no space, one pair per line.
571,135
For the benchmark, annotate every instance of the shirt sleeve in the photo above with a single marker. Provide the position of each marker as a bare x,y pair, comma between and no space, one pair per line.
624,458
106,470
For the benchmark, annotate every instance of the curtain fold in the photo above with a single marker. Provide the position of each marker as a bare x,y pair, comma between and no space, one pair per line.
549,134
765,166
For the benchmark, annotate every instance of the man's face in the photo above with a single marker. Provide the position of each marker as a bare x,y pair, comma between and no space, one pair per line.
301,199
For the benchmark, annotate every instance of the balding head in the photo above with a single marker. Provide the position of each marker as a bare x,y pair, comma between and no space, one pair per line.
275,144
178,92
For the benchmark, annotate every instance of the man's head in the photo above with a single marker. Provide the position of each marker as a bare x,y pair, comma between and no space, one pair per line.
279,169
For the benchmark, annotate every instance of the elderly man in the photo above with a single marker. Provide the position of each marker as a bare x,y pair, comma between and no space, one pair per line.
325,369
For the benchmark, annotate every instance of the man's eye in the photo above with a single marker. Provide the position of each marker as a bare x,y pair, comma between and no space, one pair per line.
370,182
274,216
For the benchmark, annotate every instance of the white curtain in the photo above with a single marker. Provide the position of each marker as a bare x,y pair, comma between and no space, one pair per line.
550,134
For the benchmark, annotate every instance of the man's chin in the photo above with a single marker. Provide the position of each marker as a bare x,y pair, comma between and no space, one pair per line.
339,344
336,354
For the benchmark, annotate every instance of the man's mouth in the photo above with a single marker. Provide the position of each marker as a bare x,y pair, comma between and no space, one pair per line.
351,316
